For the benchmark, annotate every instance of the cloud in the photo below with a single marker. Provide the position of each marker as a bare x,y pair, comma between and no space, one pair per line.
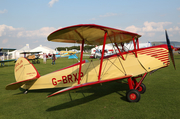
43,32
133,29
150,29
3,11
13,37
150,34
4,29
52,2
4,41
108,15
10,31
153,26
178,9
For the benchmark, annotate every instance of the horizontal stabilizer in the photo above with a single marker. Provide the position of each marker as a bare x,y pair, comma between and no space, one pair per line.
87,84
16,85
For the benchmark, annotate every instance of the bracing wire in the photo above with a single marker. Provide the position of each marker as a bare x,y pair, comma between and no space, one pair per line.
118,57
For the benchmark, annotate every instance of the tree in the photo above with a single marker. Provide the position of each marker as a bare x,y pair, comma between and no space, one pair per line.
86,48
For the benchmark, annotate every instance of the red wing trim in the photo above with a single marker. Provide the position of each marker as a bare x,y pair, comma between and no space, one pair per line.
96,26
88,84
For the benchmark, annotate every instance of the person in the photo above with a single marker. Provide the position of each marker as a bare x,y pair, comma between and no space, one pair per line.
2,59
53,59
44,58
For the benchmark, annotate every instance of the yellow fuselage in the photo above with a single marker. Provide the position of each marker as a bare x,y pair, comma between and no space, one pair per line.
148,59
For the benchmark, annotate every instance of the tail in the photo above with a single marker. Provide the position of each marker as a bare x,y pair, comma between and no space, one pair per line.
24,73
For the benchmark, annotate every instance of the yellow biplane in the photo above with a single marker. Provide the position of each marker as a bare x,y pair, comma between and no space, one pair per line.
130,65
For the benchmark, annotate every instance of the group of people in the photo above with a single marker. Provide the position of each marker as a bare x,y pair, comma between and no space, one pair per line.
53,58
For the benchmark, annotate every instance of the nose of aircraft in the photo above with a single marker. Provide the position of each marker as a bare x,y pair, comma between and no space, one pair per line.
170,47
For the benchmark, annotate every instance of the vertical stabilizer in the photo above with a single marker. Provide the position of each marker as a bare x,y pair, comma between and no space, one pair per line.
24,70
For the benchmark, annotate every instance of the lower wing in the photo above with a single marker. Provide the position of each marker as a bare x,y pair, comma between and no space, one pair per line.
88,84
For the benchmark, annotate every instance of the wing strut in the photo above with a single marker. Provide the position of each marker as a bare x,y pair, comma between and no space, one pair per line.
79,75
80,65
102,55
119,51
137,42
135,47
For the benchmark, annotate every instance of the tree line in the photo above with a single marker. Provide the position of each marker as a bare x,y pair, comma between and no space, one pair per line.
86,48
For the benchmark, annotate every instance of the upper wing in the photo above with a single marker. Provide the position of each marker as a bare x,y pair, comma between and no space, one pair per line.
92,34
6,49
7,60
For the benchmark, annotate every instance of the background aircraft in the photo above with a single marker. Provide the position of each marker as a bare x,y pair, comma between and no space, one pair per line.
32,56
4,53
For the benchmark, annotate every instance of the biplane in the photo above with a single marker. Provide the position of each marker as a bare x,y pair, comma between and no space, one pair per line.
68,54
32,56
5,52
130,65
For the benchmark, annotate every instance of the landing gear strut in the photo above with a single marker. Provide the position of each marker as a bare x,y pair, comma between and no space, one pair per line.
142,88
136,89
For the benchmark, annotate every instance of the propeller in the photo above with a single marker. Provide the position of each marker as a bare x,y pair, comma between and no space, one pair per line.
170,49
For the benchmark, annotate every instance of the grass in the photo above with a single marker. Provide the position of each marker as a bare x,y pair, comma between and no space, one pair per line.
107,101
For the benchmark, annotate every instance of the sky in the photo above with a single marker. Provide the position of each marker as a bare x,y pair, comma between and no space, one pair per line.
31,21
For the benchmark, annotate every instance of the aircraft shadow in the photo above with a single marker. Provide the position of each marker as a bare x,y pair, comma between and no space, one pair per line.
99,91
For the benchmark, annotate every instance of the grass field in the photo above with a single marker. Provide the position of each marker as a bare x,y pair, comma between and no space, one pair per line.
107,101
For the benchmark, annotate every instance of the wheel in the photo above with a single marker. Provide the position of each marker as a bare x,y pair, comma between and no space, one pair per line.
33,62
142,88
26,91
38,62
133,95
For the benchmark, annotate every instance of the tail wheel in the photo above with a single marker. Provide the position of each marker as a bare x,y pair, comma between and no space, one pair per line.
133,95
142,88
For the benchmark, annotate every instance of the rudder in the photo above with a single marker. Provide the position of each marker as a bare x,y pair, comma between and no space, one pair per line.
24,72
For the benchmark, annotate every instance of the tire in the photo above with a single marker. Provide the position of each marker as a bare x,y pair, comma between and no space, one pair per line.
38,62
133,95
142,88
33,62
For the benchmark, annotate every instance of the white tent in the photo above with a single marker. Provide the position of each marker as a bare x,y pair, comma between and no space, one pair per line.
110,48
43,49
16,53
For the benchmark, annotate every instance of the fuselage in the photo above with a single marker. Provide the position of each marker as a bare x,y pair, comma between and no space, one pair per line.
114,67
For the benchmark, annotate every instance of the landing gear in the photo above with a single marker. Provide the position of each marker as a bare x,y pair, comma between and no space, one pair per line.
26,91
135,88
38,62
133,95
142,88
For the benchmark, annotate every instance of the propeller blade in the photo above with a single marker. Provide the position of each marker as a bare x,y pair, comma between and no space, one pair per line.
170,49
